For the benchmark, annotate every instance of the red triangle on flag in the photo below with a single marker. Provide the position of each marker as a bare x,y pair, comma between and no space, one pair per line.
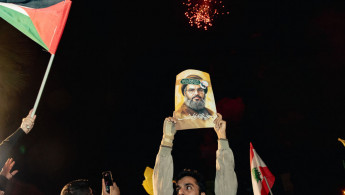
50,22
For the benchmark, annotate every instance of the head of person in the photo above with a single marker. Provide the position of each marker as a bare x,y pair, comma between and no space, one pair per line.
77,187
194,90
189,182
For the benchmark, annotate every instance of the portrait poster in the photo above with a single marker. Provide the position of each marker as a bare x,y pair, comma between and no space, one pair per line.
194,100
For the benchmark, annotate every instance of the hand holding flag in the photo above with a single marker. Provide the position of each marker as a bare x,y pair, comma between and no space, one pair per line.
41,20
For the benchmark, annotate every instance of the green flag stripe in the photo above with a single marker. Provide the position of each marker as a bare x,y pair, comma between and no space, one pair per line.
22,23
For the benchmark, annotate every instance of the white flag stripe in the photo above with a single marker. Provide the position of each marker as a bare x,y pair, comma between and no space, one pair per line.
255,163
259,179
14,7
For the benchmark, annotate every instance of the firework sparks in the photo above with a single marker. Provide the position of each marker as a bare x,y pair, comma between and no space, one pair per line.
201,13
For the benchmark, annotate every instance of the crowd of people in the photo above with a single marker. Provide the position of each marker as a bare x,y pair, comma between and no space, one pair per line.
187,182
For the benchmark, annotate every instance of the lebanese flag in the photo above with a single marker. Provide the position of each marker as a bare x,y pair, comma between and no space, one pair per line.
41,20
259,170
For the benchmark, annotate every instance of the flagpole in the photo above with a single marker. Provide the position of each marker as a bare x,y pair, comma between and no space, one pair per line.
42,85
268,185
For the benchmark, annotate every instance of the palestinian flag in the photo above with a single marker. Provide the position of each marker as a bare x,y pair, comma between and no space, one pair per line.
41,20
259,170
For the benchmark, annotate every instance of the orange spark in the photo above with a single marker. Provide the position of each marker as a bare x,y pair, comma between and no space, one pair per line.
201,13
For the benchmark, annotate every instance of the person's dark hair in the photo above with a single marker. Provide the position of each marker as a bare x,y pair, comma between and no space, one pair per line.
196,175
77,187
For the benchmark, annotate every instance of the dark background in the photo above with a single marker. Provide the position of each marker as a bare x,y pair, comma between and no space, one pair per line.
277,70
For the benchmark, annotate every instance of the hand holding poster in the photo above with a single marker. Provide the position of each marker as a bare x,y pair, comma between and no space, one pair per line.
194,101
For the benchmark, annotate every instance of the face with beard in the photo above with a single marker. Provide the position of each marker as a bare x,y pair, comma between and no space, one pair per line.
195,97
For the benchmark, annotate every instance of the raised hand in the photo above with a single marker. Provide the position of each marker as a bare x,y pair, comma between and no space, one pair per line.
220,127
6,170
169,126
28,122
169,131
114,189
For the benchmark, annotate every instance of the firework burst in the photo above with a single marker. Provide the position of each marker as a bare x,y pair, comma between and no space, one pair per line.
201,13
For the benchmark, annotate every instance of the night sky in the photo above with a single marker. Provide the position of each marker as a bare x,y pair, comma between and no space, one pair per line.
277,69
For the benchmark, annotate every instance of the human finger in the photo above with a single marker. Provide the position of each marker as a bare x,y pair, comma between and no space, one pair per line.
216,123
222,123
14,172
217,119
219,116
30,112
8,161
28,120
172,119
220,119
7,165
116,189
103,187
12,164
